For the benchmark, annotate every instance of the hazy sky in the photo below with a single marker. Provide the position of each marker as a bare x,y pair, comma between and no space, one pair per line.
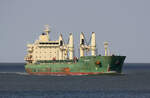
124,23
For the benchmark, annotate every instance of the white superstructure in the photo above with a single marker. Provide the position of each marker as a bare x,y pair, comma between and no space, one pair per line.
46,49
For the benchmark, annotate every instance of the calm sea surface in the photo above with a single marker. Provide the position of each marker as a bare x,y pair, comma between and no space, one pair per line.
133,83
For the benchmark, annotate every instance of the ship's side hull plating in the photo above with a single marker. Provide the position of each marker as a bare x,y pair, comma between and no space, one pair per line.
88,65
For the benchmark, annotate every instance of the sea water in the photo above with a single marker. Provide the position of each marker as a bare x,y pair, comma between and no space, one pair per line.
133,83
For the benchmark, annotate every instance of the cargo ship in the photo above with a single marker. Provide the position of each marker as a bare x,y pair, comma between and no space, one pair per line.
48,57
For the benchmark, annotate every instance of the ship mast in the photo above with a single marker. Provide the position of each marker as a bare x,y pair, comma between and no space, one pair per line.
93,44
71,46
82,44
106,48
47,30
85,47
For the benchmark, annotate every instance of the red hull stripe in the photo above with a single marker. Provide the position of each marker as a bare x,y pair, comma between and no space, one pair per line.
65,73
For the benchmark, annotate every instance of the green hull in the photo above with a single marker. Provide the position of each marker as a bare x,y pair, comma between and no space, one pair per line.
84,66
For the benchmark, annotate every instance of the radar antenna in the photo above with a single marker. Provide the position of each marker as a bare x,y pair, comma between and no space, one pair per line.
47,30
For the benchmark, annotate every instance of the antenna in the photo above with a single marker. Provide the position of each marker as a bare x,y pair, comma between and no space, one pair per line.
106,47
47,28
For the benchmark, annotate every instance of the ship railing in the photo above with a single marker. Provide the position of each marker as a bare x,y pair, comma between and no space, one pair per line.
55,61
